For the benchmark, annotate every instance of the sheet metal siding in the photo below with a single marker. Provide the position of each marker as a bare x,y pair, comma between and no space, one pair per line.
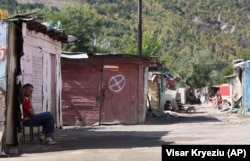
39,67
32,70
3,65
236,89
35,46
142,97
59,119
81,79
80,89
120,95
52,83
246,89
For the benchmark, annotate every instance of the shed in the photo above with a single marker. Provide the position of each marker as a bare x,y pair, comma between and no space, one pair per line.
31,50
233,89
242,87
156,86
105,89
225,91
3,62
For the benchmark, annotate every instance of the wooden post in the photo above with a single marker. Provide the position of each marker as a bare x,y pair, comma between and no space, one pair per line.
139,38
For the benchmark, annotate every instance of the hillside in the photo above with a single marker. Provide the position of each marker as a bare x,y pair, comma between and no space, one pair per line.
212,32
57,3
210,26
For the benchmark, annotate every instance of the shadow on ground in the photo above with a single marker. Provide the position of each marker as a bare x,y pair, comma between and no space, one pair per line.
100,137
88,138
187,118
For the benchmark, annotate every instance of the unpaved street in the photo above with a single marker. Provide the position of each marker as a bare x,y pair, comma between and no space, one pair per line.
208,126
140,142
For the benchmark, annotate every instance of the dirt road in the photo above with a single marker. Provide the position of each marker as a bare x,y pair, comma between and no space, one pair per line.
209,126
139,142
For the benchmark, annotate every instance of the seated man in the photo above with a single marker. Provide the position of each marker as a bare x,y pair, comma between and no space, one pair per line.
44,119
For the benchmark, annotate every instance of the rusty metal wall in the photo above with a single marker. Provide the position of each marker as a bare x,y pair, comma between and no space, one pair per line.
113,79
120,95
80,89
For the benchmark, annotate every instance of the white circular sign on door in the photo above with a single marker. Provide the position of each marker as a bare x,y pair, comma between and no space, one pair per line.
117,83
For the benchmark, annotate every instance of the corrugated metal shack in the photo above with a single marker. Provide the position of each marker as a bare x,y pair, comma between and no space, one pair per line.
32,50
241,87
156,86
105,89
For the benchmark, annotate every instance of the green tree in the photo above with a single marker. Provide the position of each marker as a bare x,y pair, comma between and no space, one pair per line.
151,44
228,70
10,5
196,69
80,21
186,29
201,75
244,54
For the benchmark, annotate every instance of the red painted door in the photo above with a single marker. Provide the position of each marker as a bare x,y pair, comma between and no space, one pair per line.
120,89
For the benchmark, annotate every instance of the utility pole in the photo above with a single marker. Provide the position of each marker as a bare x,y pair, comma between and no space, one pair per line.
139,36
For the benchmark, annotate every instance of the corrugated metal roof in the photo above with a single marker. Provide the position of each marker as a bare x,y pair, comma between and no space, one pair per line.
74,55
242,64
154,63
33,24
230,76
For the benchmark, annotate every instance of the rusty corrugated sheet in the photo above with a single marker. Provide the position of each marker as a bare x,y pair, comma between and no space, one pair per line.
33,24
79,94
120,89
106,89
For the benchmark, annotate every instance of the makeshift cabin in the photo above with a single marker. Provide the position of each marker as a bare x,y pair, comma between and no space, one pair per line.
30,53
241,85
225,91
232,79
105,89
156,86
3,62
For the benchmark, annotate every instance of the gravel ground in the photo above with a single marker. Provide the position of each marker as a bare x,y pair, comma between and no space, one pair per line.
139,142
